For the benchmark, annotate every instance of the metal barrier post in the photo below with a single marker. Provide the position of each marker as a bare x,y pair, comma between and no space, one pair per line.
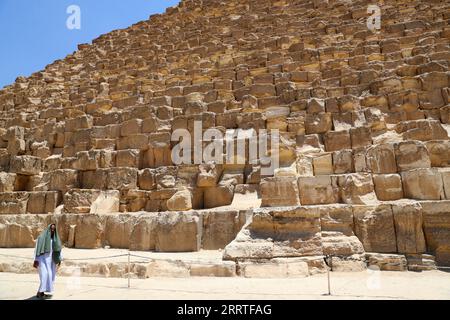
129,269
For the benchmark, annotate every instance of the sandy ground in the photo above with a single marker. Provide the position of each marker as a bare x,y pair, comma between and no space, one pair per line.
361,285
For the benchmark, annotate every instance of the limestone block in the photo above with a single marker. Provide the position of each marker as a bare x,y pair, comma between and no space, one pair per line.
90,231
26,165
357,188
343,161
423,184
178,232
439,152
118,230
436,226
317,190
374,226
82,122
43,202
318,123
337,140
279,191
13,202
408,228
381,159
386,261
63,180
91,201
411,155
131,127
143,234
122,178
323,164
360,137
221,227
180,201
275,268
209,175
218,196
422,130
146,179
7,181
128,158
388,187
278,232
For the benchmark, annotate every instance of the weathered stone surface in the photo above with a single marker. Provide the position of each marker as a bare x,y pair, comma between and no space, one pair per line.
218,196
278,232
381,159
317,190
91,201
386,262
178,232
412,155
7,181
180,201
436,226
423,184
274,268
26,165
279,191
374,226
221,227
388,187
357,188
408,228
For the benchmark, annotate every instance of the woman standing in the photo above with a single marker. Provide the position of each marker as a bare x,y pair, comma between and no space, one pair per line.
47,256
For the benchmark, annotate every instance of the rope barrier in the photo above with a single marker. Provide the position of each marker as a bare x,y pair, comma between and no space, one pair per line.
328,259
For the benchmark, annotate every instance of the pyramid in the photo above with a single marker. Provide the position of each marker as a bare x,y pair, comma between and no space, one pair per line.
361,112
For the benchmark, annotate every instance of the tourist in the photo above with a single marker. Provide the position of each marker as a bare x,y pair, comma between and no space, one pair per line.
46,259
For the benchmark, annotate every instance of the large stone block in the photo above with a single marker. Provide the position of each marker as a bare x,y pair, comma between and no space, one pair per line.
317,190
279,191
178,232
43,202
374,226
343,161
423,130
26,165
411,155
219,196
408,228
436,224
221,227
388,187
381,159
91,201
318,123
122,178
337,140
118,230
323,164
180,201
63,180
278,232
357,188
13,202
7,181
439,152
423,184
90,231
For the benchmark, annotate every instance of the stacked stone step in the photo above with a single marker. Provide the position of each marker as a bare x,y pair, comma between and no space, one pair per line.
363,115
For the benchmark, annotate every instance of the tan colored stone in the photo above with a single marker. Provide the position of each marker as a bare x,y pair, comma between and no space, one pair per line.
281,191
423,184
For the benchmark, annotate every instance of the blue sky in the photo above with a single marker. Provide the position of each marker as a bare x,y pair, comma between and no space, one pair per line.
34,32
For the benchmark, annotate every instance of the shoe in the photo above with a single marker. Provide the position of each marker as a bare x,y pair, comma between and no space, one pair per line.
40,295
48,296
